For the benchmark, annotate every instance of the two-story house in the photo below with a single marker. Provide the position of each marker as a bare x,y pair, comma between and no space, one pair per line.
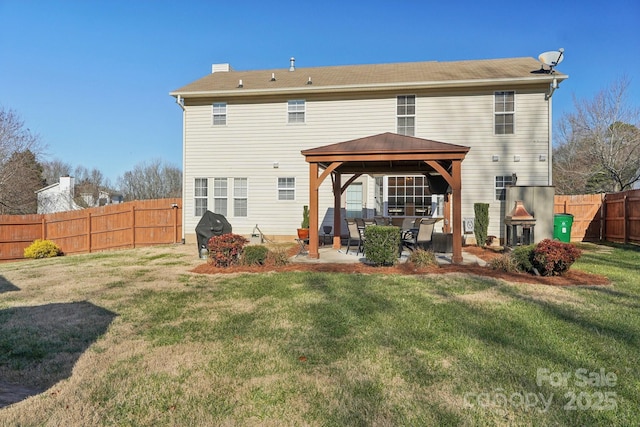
245,131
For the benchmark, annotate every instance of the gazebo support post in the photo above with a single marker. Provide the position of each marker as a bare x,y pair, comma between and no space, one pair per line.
457,212
337,224
314,186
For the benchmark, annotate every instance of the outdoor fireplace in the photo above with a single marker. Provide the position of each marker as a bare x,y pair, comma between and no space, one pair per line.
520,225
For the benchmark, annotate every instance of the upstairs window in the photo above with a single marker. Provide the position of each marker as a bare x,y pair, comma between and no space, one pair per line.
200,192
295,111
505,108
501,186
219,113
406,114
287,188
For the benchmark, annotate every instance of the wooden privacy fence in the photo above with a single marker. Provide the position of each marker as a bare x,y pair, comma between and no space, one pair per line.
613,217
125,225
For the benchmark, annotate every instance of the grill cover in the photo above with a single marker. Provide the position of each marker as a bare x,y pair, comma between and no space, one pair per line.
211,224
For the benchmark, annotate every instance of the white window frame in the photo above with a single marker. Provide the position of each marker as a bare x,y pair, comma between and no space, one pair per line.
219,113
404,112
286,186
501,111
500,184
200,196
221,196
296,111
240,196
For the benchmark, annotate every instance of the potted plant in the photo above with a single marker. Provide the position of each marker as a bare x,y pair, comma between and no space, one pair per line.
303,231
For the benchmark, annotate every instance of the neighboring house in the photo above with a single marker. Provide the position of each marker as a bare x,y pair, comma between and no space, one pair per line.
105,198
57,197
244,132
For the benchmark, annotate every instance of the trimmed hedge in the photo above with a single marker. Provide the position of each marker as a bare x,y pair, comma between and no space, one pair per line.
481,222
554,258
254,255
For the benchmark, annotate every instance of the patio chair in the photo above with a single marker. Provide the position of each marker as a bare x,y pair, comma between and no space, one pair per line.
355,235
422,238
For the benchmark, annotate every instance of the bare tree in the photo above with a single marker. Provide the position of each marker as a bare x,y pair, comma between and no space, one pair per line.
153,180
52,170
19,148
599,144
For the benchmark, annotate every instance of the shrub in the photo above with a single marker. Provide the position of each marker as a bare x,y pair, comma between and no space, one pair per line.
523,257
553,258
254,255
504,262
382,244
225,250
481,222
422,259
42,249
277,256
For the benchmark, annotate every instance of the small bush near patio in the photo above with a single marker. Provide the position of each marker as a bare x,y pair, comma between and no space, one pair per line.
225,250
422,259
381,244
523,257
42,249
504,262
254,255
277,256
554,258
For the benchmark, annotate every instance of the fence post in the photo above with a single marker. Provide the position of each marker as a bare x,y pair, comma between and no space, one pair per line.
133,226
603,212
175,224
89,229
625,214
44,228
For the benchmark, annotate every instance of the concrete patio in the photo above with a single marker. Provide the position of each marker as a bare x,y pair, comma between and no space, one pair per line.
330,255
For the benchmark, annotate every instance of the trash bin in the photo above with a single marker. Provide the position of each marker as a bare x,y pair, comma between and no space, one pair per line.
562,227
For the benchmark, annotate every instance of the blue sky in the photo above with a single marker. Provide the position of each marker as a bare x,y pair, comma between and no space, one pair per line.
92,77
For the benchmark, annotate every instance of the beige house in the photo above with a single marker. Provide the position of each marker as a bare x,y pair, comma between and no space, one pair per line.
244,132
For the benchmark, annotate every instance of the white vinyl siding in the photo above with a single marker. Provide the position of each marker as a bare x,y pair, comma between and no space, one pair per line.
219,113
296,111
240,197
505,108
200,196
220,192
287,188
259,136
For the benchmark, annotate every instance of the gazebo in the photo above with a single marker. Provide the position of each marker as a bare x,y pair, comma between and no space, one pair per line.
387,153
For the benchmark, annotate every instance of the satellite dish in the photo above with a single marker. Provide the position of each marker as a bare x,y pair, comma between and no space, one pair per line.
551,58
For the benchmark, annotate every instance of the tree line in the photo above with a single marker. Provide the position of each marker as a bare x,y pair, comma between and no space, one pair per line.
24,170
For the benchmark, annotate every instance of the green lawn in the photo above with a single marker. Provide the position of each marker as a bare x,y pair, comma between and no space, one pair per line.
174,348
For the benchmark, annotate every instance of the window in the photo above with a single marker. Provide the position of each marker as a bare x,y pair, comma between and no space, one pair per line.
408,195
295,111
240,197
286,188
354,200
219,113
220,196
200,192
406,112
504,112
501,184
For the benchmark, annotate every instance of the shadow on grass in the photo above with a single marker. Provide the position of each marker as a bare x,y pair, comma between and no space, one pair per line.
7,286
40,345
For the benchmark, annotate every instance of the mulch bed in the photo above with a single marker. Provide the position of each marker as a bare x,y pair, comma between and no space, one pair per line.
571,278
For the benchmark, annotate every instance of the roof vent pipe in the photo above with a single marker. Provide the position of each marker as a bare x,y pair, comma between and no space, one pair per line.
292,66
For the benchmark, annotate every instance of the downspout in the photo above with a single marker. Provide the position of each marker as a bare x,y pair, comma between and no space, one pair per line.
180,102
547,97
